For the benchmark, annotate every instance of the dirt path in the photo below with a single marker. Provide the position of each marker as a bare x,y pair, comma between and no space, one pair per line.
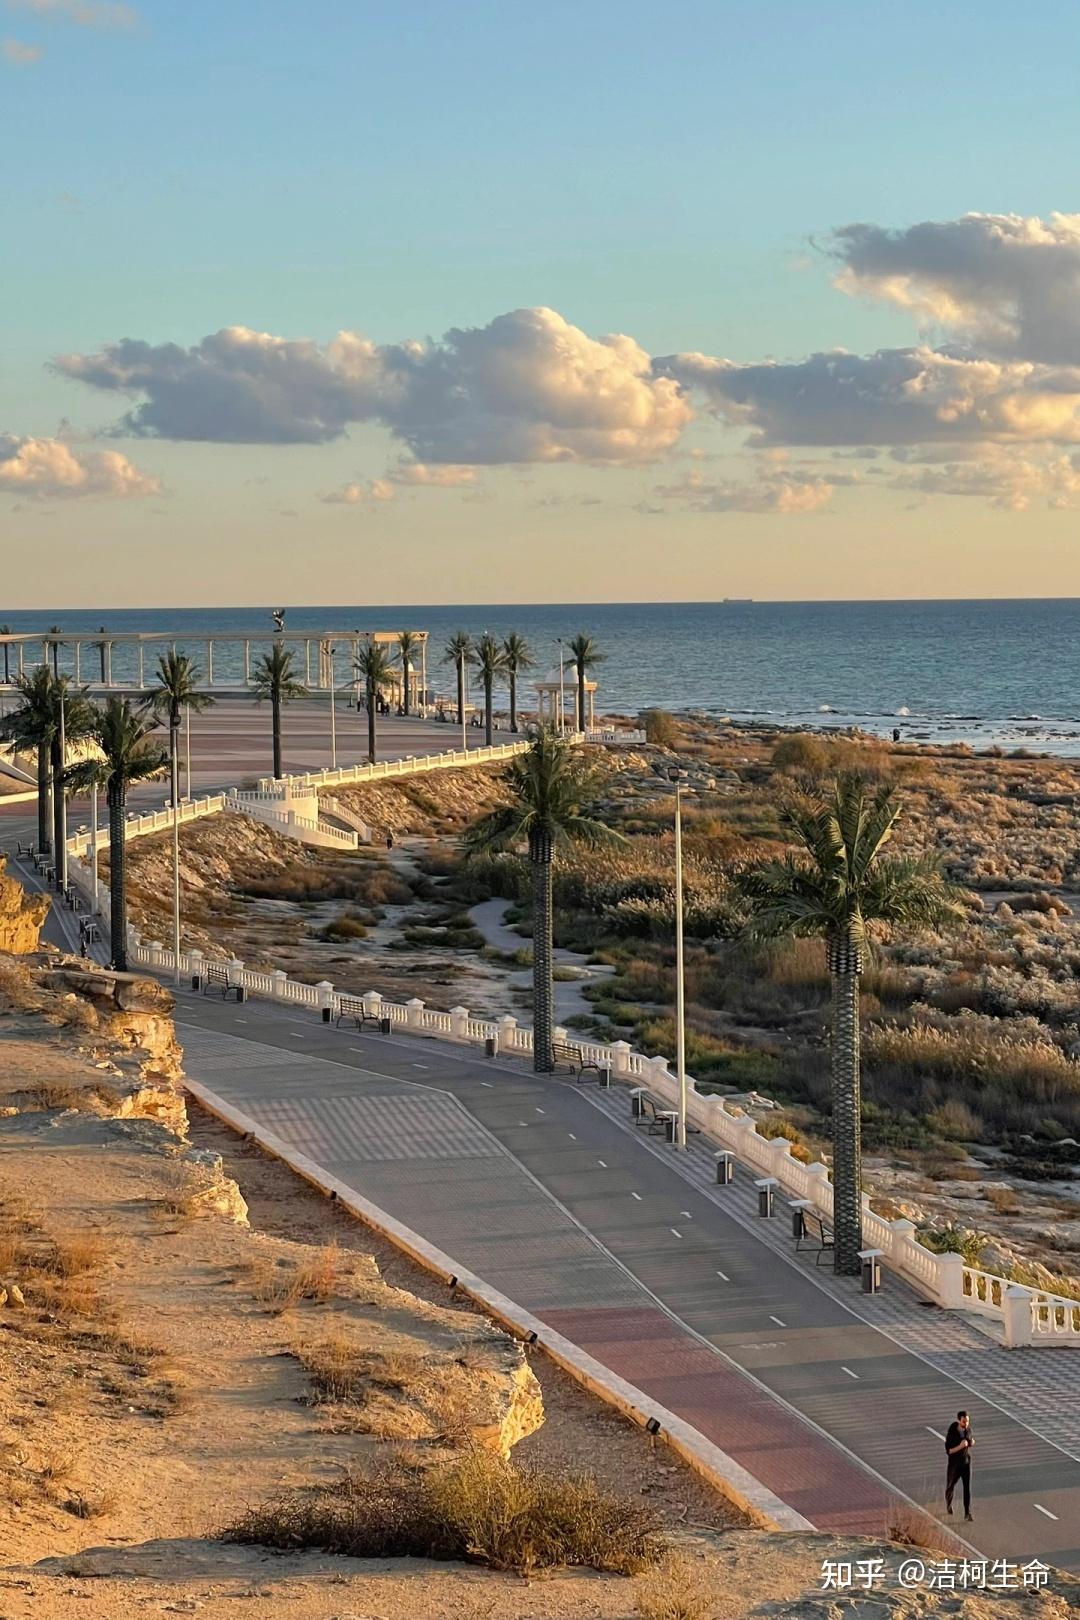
570,1000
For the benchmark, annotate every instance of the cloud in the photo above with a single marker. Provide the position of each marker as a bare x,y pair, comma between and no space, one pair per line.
373,493
896,396
448,476
528,387
1006,480
49,469
775,488
83,13
1005,284
20,55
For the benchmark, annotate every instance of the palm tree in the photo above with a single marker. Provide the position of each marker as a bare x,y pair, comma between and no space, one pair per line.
31,726
407,641
5,630
584,655
103,650
836,884
491,661
375,668
549,786
273,678
129,754
56,630
73,719
517,657
459,651
176,689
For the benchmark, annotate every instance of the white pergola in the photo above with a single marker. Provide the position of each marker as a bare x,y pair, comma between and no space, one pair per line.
556,691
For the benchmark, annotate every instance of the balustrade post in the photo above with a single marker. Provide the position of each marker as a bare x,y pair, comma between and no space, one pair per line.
1017,1307
195,963
459,1023
326,998
950,1280
279,979
507,1033
372,1000
154,947
620,1059
414,1013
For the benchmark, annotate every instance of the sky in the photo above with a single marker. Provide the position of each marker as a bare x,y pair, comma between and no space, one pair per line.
353,301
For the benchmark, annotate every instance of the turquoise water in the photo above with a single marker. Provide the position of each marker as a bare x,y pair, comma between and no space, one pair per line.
1005,671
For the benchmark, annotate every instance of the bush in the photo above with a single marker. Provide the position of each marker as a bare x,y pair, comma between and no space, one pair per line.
661,728
801,754
479,1508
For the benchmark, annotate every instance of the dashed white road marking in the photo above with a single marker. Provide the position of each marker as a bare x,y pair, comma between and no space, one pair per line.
674,1231
637,1196
723,1276
1047,1511
937,1432
538,1110
777,1320
849,1372
601,1163
488,1084
239,1020
686,1213
571,1135
295,1036
419,1065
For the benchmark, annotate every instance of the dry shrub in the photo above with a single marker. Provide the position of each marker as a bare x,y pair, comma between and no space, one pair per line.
75,1256
478,1508
676,1589
57,1094
92,1504
1003,1198
57,1465
282,1287
910,1527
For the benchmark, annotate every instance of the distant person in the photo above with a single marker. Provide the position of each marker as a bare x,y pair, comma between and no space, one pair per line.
896,734
389,840
958,1444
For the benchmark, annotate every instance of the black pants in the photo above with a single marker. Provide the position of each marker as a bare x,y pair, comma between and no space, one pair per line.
958,1472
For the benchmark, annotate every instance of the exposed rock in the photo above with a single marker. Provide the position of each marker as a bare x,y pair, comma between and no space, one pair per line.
22,915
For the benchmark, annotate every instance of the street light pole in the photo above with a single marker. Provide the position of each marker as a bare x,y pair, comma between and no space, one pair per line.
561,679
94,839
461,689
187,738
176,851
333,716
61,854
680,976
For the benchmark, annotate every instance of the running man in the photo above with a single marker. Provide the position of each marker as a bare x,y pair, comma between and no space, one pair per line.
958,1444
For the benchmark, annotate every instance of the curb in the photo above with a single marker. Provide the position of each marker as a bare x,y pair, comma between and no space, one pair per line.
723,1473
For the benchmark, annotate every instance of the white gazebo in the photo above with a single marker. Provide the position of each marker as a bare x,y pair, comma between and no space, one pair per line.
557,692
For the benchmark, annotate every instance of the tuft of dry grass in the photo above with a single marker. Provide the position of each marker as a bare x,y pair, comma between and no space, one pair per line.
675,1589
909,1527
282,1287
92,1504
478,1508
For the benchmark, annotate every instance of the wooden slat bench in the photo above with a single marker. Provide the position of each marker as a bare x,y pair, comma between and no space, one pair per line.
573,1058
355,1010
813,1229
216,976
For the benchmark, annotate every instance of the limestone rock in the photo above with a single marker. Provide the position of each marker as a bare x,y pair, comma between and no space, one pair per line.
22,915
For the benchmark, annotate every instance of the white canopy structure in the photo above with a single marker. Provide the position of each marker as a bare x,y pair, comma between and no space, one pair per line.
556,694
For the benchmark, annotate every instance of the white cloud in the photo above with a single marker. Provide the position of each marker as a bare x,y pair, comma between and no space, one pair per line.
528,387
896,396
1006,284
1008,480
448,476
83,13
19,54
49,469
373,493
775,488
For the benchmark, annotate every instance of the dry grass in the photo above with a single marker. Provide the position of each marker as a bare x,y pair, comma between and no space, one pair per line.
675,1589
478,1508
92,1504
909,1527
282,1287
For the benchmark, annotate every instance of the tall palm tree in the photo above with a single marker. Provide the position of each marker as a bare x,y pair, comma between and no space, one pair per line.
375,668
103,650
550,786
176,688
517,657
129,754
273,678
30,726
459,652
491,662
407,641
584,655
834,885
73,719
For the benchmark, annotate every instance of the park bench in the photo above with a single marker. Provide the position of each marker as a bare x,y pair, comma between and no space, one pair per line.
356,1010
812,1229
216,976
26,850
657,1116
573,1058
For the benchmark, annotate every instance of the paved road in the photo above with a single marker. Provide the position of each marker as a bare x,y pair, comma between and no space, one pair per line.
545,1189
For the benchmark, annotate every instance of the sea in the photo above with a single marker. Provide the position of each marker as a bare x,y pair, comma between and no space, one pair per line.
980,672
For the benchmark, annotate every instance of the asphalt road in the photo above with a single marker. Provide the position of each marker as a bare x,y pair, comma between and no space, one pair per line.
531,1184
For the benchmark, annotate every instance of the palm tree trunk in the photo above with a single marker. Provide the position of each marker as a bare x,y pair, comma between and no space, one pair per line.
460,694
101,648
174,793
371,701
44,798
275,707
405,684
59,805
543,951
513,700
581,697
117,795
487,709
845,965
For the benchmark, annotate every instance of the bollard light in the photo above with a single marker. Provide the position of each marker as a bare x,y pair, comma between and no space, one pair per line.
766,1196
871,1270
725,1169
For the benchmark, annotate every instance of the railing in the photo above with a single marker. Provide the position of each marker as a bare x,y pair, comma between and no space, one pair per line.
412,765
137,826
343,812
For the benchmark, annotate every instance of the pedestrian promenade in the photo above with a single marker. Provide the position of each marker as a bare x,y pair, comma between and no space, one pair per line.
545,1189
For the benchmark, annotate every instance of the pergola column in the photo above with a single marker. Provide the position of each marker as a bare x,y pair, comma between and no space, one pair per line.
210,662
141,681
247,661
307,661
78,663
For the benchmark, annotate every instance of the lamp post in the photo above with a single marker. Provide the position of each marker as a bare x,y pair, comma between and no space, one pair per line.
187,746
61,854
561,682
680,974
461,688
94,840
176,861
330,651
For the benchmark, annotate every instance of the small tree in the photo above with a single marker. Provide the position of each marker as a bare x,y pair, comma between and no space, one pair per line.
517,657
407,641
375,668
549,787
491,662
584,655
273,678
459,652
129,754
834,885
